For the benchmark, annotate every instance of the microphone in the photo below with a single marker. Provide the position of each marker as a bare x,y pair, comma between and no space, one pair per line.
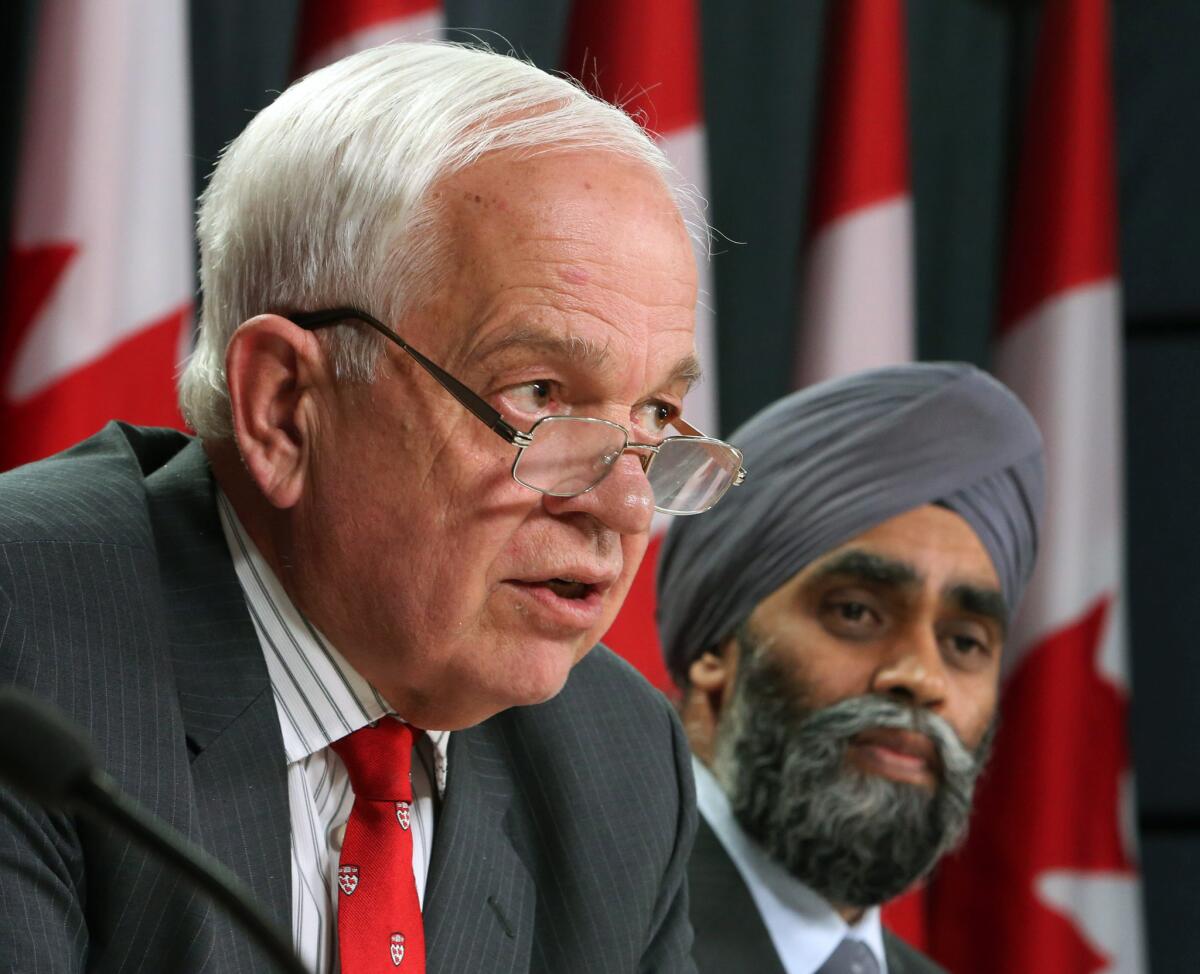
61,770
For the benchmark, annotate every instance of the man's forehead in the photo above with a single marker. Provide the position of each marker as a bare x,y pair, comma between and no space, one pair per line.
931,542
557,187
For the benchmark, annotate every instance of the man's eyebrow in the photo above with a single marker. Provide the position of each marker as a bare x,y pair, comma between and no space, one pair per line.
977,600
867,566
573,348
687,370
576,349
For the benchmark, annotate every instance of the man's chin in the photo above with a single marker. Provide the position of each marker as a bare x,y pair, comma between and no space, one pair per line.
542,667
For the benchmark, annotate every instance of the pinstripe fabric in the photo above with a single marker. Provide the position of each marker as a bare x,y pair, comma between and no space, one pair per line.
562,839
320,699
85,625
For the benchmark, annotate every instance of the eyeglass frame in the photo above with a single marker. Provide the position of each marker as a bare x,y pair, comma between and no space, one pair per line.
487,414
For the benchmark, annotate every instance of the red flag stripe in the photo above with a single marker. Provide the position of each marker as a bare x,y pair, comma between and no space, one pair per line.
325,22
1064,220
1059,887
862,155
642,56
99,273
633,633
30,280
133,380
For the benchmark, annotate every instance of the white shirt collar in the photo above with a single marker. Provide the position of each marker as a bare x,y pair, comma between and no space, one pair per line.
804,928
320,697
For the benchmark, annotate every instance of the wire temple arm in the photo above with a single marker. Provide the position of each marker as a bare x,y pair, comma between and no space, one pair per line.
490,417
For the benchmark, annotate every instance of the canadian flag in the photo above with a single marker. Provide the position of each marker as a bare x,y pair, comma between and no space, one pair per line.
1048,880
99,282
645,57
332,29
857,301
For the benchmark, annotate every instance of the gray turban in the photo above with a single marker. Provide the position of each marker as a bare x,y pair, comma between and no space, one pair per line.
834,460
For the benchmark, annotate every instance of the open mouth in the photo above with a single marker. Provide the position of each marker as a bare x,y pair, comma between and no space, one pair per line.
568,588
564,601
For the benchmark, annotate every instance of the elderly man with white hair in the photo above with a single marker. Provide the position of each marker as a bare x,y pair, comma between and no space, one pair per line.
341,638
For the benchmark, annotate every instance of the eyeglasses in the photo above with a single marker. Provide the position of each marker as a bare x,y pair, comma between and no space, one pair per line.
564,456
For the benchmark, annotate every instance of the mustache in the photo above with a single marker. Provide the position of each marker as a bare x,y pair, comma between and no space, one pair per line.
838,723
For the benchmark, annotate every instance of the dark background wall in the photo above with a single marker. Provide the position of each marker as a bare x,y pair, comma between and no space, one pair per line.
968,62
1158,84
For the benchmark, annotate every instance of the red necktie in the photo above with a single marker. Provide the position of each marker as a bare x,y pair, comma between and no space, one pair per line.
379,914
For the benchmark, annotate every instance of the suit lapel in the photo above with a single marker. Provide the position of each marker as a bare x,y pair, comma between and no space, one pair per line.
895,961
903,959
479,905
730,934
238,766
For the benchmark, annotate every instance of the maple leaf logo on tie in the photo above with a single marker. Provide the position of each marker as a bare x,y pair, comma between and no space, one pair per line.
348,879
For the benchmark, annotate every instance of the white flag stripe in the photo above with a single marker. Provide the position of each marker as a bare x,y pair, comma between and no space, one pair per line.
686,149
419,27
105,167
1063,361
858,295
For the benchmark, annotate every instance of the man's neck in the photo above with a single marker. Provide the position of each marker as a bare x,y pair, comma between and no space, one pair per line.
851,914
254,514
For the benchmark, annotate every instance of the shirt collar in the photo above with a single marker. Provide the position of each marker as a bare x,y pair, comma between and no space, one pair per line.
803,926
320,697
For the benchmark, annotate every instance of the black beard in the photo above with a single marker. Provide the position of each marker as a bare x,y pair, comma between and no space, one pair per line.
857,839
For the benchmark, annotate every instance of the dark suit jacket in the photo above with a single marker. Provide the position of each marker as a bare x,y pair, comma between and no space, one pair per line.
561,845
730,934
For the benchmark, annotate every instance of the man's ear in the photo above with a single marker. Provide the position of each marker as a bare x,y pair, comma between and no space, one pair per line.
712,674
710,685
272,367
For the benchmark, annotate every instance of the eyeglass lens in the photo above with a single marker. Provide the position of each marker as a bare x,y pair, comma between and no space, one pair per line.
570,455
690,475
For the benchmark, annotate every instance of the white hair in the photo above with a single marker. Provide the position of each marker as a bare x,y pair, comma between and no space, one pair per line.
324,200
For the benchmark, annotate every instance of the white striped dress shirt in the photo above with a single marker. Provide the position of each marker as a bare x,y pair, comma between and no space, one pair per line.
320,699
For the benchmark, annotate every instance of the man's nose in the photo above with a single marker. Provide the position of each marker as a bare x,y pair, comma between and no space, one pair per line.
623,501
913,671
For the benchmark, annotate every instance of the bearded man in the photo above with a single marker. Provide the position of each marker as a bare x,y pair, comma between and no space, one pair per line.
836,627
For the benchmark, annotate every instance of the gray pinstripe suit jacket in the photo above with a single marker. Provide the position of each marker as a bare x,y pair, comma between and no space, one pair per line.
561,845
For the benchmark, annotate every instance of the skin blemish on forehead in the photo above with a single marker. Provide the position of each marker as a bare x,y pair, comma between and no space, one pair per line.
487,202
574,275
